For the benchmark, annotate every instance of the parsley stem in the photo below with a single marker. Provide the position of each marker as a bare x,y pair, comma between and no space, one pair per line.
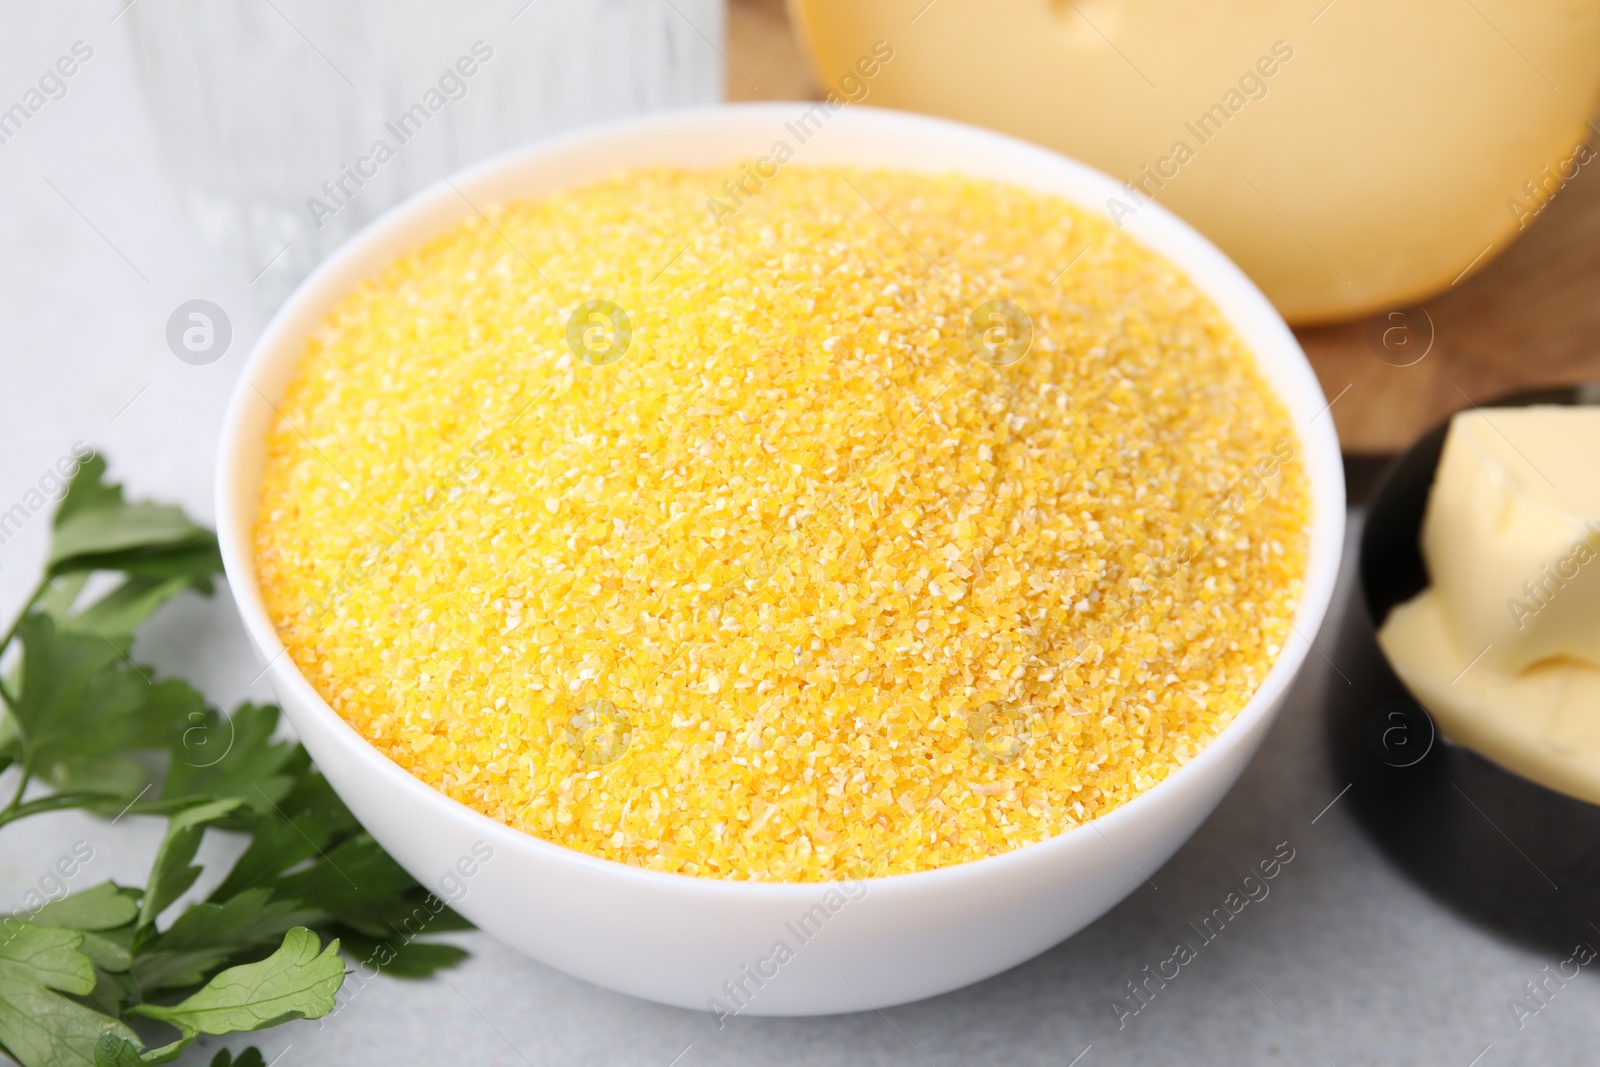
9,812
11,635
33,598
49,802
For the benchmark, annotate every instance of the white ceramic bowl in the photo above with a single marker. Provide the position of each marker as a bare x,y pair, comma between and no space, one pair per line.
677,939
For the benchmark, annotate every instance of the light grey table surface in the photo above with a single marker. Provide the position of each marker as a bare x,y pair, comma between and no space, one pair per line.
1343,963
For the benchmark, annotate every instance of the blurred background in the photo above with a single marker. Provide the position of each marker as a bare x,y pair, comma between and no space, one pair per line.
1409,185
281,151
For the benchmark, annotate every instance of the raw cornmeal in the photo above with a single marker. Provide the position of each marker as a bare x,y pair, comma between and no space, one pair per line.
862,602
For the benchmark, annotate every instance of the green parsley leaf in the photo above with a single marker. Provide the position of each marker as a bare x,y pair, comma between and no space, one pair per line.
104,914
399,958
354,877
101,907
78,714
169,705
114,991
87,491
115,1050
276,846
83,704
171,874
107,955
406,916
250,1057
59,595
120,612
78,698
206,935
304,824
298,981
233,756
95,529
40,1027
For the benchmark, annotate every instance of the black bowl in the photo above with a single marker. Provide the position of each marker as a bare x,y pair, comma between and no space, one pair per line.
1495,846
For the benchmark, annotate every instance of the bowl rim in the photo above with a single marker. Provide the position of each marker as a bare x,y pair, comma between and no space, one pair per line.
1154,227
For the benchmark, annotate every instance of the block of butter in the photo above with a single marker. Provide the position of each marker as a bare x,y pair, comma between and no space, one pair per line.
1503,649
1543,724
1512,535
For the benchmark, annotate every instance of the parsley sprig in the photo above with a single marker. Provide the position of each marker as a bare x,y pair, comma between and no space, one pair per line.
118,975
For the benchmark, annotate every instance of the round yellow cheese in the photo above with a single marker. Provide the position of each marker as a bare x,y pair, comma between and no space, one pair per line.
1348,155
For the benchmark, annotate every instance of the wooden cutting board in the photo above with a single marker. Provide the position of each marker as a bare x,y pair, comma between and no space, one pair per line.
1528,317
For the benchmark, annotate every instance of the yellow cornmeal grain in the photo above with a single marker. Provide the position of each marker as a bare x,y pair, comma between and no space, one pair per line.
863,602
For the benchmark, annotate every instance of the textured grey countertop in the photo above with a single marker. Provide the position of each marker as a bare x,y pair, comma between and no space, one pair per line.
1343,962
